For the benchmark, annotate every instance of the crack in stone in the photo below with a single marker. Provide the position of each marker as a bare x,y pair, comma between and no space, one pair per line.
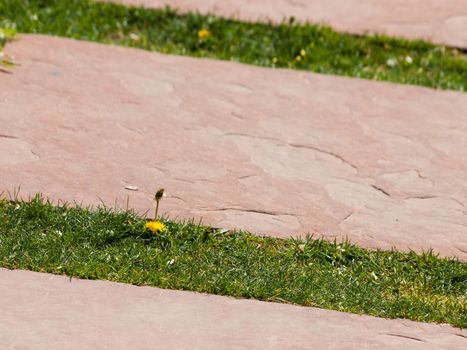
403,336
431,197
192,181
277,141
257,211
8,136
346,217
457,201
381,190
247,176
161,169
419,174
133,130
35,154
332,154
423,177
295,145
179,198
420,197
236,115
184,180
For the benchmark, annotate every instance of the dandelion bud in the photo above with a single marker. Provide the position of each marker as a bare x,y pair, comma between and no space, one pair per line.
159,194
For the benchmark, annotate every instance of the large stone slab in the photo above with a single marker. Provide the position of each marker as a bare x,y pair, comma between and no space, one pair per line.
276,152
440,21
41,311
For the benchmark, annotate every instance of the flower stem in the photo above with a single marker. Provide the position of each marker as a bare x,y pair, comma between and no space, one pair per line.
157,209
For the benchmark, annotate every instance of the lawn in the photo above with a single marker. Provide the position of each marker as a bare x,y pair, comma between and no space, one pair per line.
116,246
291,45
5,36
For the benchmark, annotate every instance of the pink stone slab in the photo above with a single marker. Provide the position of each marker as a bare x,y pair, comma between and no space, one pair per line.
42,311
440,21
275,152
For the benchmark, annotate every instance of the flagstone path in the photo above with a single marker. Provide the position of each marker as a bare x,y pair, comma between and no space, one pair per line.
440,21
275,152
42,311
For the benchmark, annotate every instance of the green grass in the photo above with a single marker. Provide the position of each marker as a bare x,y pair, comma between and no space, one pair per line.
325,51
104,244
5,36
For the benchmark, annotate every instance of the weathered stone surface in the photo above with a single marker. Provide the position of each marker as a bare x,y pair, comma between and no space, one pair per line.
441,21
276,152
41,311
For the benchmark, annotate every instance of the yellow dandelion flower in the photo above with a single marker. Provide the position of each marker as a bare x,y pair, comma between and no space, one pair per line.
303,53
274,60
155,226
298,58
203,33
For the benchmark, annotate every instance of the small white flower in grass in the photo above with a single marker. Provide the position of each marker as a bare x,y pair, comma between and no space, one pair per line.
408,60
134,37
391,62
171,262
374,276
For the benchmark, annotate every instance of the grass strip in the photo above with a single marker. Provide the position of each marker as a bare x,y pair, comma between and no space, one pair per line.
5,36
292,45
109,245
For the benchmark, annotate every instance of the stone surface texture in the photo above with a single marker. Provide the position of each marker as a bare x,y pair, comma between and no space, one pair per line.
275,152
41,311
440,21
